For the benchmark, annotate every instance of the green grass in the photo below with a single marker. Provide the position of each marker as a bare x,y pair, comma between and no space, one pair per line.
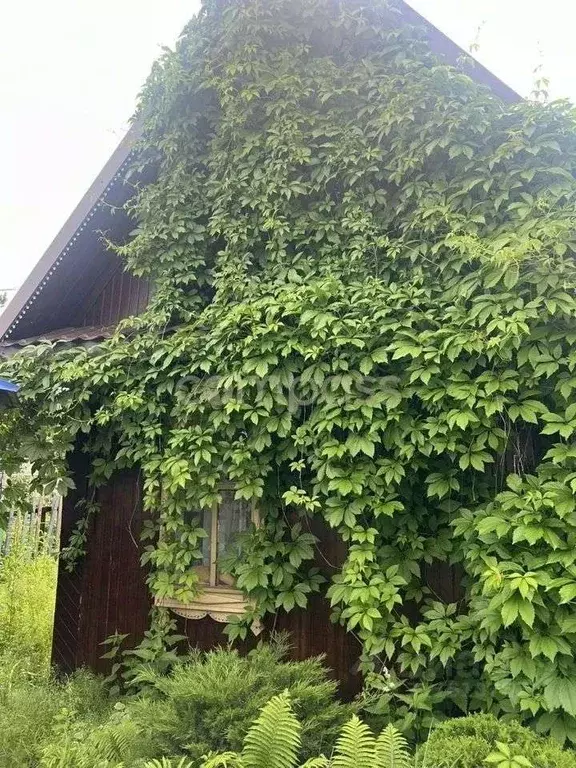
27,595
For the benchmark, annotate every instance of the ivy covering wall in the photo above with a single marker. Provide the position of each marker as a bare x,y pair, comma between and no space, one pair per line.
364,312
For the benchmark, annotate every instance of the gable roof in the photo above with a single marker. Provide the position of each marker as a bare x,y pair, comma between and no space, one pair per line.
77,255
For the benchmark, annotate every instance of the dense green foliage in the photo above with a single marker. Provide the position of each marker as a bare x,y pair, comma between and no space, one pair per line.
474,742
363,312
27,592
35,709
208,702
467,742
274,741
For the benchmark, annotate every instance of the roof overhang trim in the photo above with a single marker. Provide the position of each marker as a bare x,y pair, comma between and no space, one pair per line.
112,174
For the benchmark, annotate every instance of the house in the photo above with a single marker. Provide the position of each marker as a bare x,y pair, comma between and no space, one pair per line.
76,295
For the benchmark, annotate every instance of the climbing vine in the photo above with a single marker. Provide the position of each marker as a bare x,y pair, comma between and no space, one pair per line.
363,316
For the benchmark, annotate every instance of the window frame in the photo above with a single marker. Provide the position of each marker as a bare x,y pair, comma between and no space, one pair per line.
214,540
217,601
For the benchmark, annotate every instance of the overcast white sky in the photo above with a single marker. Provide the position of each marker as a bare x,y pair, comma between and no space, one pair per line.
70,72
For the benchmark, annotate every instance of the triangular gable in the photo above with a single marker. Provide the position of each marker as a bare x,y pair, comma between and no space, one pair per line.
53,295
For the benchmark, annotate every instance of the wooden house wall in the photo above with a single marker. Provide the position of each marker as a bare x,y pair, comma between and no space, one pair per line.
69,591
118,296
107,593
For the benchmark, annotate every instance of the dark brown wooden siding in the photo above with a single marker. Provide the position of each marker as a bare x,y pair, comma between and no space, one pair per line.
70,588
115,596
108,593
118,296
310,631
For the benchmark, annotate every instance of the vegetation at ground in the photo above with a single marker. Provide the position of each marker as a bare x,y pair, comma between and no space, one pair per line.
363,317
205,702
211,709
475,741
27,597
274,741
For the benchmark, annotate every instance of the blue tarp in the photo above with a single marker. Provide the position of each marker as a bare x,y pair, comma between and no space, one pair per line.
8,392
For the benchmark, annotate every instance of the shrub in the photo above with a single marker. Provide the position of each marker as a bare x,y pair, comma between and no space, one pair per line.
274,741
467,742
210,700
207,703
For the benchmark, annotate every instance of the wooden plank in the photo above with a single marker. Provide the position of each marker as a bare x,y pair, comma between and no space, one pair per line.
69,591
114,593
115,597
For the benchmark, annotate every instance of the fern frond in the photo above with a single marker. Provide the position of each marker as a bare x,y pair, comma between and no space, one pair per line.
165,763
355,747
317,762
225,760
274,739
110,744
392,750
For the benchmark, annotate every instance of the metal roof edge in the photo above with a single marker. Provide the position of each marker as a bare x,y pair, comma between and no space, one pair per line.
445,46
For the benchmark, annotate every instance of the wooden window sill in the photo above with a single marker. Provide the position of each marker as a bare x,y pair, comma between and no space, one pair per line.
219,603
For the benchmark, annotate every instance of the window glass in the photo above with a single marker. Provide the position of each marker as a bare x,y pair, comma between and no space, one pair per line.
206,523
234,517
204,519
223,524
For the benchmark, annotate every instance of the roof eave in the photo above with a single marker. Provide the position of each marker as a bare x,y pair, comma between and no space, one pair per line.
37,278
445,46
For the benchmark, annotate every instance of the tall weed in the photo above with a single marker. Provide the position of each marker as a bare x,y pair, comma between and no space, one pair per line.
31,709
27,595
31,700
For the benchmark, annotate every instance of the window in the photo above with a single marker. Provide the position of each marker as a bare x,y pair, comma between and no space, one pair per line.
218,599
223,524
